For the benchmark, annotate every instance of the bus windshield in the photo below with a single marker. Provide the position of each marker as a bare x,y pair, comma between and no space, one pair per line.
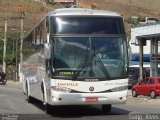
89,57
86,25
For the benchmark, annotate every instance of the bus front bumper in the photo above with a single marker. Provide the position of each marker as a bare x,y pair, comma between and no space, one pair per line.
58,98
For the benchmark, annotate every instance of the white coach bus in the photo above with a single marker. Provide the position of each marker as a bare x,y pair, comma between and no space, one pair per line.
82,61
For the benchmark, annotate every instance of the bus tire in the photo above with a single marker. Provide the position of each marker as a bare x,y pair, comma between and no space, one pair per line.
43,93
29,98
27,95
48,108
106,108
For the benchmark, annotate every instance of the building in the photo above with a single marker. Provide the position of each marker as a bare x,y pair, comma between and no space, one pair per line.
145,41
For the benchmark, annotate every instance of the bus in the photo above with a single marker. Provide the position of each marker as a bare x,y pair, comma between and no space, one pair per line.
82,59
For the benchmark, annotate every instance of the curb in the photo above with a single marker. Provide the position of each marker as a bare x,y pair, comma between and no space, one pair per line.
142,99
14,84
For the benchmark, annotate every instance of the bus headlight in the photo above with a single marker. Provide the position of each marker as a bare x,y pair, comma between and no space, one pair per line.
61,89
121,88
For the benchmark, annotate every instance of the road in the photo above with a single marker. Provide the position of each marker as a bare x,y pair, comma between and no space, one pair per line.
12,100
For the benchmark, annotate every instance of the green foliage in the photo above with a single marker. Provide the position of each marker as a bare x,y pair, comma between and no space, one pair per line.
94,6
10,72
10,49
9,58
132,21
1,49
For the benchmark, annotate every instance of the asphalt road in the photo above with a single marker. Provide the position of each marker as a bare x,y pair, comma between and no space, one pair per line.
13,104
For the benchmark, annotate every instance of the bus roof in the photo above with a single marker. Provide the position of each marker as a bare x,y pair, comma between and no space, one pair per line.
82,12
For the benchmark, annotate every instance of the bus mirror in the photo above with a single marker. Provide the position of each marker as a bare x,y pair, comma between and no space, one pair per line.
47,52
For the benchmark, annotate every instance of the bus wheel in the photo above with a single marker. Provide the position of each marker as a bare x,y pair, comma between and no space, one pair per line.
43,94
48,108
106,108
29,98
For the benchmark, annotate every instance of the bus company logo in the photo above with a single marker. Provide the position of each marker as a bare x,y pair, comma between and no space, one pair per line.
67,84
91,89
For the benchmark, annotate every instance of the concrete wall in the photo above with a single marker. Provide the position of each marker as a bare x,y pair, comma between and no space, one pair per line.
143,30
148,29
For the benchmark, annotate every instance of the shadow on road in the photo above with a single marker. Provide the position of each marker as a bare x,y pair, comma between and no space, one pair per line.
77,111
81,111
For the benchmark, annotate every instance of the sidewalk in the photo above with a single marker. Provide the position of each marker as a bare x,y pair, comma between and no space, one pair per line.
142,99
14,84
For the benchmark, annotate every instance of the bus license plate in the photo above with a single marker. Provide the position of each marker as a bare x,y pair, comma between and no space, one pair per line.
91,99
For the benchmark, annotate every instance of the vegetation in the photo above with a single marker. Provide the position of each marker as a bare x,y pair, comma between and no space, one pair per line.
132,21
11,49
33,12
94,6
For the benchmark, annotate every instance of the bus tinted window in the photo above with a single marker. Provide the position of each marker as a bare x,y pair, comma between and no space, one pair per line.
86,25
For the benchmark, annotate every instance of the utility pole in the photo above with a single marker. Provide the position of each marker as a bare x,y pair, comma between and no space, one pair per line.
5,42
16,64
21,45
15,51
15,60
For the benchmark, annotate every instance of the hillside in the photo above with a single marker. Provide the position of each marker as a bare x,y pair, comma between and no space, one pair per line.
33,10
127,7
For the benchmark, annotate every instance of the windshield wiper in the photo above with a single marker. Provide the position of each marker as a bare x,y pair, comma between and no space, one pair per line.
81,66
85,63
102,67
88,61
